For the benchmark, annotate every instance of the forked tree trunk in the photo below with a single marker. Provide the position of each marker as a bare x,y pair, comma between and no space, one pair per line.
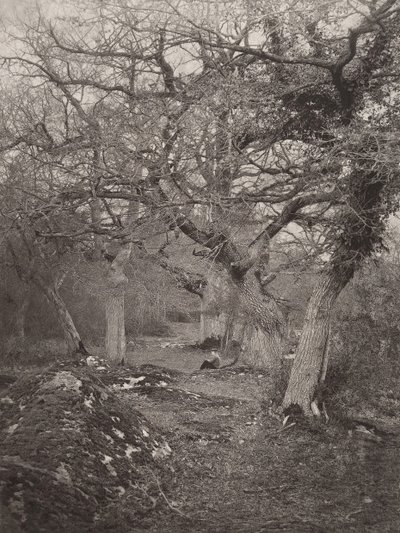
115,306
71,335
310,363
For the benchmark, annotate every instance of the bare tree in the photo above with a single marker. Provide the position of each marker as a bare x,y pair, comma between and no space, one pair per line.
233,126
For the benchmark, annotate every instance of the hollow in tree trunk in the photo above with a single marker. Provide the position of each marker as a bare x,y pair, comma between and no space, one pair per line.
309,365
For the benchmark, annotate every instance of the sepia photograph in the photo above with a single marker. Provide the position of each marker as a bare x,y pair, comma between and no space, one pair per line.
199,266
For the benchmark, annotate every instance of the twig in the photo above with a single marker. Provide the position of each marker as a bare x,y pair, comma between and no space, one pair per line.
175,509
357,511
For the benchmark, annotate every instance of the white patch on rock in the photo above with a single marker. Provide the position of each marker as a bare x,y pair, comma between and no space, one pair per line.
115,419
119,433
106,461
64,380
162,451
129,383
120,490
10,430
145,433
7,400
162,384
62,474
130,450
108,437
89,401
16,505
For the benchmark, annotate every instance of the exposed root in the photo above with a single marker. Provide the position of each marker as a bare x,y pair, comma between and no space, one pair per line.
315,409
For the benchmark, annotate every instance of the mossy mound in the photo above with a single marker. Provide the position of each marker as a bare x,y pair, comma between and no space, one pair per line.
72,455
121,379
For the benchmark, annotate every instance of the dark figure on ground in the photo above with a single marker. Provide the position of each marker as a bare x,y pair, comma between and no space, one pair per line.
213,362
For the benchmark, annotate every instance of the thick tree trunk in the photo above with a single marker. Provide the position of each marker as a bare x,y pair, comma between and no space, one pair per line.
310,363
238,311
264,339
115,306
261,349
71,335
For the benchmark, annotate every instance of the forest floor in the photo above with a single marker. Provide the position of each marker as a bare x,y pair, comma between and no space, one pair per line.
236,468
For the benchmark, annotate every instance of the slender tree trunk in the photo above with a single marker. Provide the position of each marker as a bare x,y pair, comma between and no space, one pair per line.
96,214
20,318
115,306
71,335
17,337
310,363
115,320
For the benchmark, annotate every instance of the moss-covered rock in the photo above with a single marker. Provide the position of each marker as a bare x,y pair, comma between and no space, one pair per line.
71,453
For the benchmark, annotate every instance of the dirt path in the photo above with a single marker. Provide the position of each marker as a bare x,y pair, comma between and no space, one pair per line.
238,470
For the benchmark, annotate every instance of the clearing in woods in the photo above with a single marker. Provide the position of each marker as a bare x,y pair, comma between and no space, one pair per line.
237,469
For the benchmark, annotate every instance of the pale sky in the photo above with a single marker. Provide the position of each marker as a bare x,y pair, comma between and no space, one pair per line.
19,8
12,7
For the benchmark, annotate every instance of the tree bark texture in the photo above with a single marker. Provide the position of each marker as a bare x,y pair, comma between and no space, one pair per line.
238,311
115,320
309,365
262,341
115,306
20,318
